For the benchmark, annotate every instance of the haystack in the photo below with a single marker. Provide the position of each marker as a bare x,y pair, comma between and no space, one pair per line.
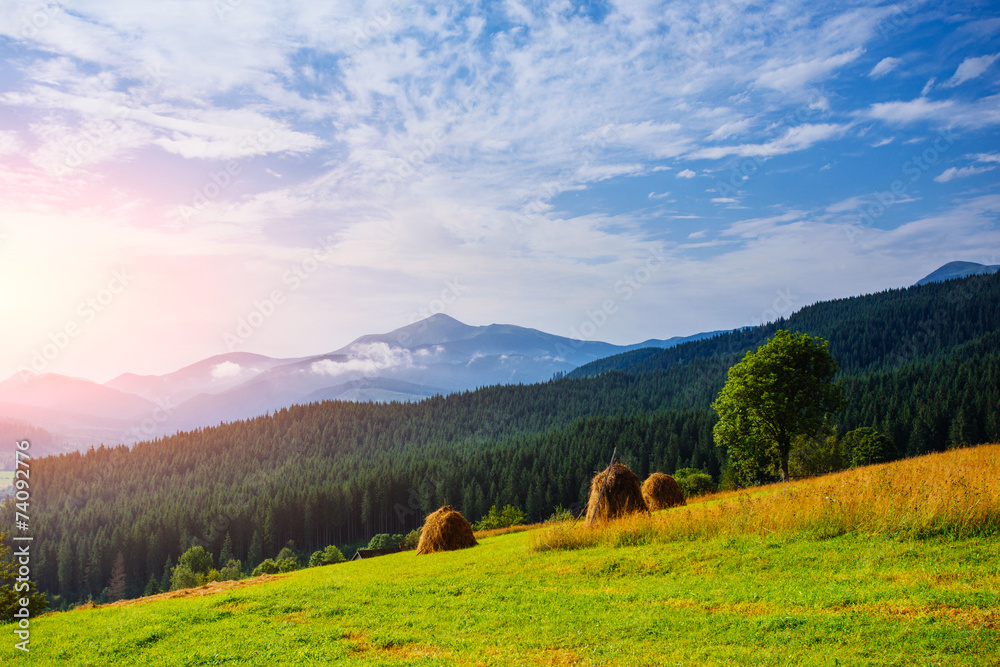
661,491
622,495
445,530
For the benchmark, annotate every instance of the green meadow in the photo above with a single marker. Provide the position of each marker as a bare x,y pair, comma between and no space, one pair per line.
848,600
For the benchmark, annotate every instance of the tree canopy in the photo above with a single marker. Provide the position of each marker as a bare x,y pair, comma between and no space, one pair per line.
780,391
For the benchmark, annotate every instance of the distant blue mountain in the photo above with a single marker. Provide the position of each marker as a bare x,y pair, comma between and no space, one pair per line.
958,270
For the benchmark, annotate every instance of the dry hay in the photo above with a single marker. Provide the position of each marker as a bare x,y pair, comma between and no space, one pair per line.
445,530
622,495
661,491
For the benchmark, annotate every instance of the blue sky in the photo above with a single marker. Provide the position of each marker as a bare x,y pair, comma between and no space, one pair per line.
339,168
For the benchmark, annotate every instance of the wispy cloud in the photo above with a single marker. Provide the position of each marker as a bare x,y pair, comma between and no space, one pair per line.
885,66
971,68
794,139
797,75
951,173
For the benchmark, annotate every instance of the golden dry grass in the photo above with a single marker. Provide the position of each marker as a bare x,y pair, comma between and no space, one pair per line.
952,493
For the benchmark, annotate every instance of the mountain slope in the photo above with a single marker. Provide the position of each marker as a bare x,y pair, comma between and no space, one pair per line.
958,270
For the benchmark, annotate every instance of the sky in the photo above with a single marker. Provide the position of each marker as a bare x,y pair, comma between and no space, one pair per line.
184,179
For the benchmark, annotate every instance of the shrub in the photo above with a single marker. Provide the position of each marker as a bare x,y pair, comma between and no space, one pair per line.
287,553
233,571
268,566
385,541
560,514
694,482
197,560
510,516
329,555
868,446
411,540
182,577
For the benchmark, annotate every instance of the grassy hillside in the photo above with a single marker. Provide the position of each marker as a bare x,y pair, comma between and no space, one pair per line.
748,591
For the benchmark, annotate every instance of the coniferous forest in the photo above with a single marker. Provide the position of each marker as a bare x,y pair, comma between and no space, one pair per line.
920,365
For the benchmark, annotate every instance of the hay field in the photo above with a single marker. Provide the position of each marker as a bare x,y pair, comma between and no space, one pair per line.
796,588
954,494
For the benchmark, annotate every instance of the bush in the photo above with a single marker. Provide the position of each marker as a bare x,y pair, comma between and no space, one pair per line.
197,560
385,541
560,514
268,566
694,482
233,571
510,516
411,540
287,553
329,555
182,577
868,446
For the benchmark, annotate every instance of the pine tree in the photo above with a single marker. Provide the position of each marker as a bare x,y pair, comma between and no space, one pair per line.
168,569
152,586
256,554
226,554
117,584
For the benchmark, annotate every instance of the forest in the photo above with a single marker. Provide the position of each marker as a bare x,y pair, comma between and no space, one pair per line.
920,365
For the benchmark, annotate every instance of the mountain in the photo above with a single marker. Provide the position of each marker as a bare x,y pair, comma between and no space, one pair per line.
208,376
958,270
437,355
72,395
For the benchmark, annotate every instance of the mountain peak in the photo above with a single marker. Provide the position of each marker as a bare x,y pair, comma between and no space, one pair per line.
958,270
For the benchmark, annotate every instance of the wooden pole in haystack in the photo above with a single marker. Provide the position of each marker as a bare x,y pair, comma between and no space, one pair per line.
607,473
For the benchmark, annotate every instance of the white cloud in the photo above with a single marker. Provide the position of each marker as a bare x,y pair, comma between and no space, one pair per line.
723,200
909,112
885,66
227,369
658,195
971,68
794,139
928,87
729,129
9,142
686,173
987,157
952,173
366,358
883,142
799,74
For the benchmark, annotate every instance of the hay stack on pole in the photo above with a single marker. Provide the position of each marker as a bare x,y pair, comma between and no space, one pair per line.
614,493
661,491
445,530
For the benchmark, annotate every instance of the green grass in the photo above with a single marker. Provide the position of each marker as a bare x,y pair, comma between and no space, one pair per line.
848,600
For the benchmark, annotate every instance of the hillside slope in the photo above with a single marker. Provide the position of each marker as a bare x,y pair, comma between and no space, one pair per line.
769,599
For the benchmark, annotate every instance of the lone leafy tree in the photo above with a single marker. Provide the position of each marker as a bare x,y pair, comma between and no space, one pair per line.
780,391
